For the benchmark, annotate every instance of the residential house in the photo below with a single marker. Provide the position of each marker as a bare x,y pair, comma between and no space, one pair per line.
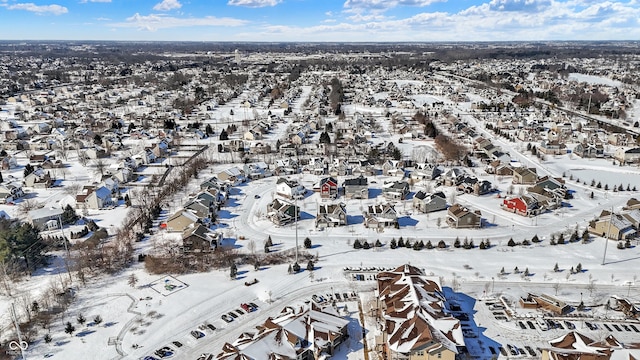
257,170
547,199
499,168
380,216
472,185
181,220
199,207
395,190
425,171
281,212
301,332
429,202
38,179
328,188
612,226
198,239
331,215
94,198
45,218
627,156
632,204
232,175
586,150
524,205
552,147
550,183
576,346
356,188
460,217
411,312
524,175
290,188
10,192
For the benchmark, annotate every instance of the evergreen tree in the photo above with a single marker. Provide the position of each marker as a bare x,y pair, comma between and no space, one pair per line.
579,267
429,245
290,270
233,271
378,243
307,243
585,236
28,169
456,243
511,242
310,266
556,268
357,244
561,239
516,270
442,244
69,328
366,245
526,272
400,242
97,319
393,243
47,338
81,319
502,271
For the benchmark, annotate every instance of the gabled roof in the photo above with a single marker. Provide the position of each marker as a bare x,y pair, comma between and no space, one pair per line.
413,310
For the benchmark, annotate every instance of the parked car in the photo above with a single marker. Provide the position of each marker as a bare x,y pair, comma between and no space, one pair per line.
205,356
227,318
177,343
197,334
164,352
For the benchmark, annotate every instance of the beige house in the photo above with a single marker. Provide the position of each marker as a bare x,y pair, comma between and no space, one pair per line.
410,309
612,226
181,220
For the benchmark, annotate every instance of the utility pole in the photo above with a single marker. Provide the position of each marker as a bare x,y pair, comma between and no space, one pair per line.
20,344
606,239
66,249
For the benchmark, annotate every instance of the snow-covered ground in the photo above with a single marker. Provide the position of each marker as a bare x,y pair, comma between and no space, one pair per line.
150,319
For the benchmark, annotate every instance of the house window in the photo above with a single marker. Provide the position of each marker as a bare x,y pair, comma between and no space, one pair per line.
439,355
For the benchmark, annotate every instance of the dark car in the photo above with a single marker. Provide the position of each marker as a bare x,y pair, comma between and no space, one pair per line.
211,326
227,318
164,352
197,334
256,196
177,343
233,315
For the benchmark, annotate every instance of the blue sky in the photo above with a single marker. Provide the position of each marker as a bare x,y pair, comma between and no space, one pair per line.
320,20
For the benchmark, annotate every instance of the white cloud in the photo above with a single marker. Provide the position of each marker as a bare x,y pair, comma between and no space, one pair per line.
154,22
254,3
492,20
387,4
363,18
40,9
95,1
167,5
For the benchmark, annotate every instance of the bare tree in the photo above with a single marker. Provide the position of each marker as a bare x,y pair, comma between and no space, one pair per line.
101,167
28,205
